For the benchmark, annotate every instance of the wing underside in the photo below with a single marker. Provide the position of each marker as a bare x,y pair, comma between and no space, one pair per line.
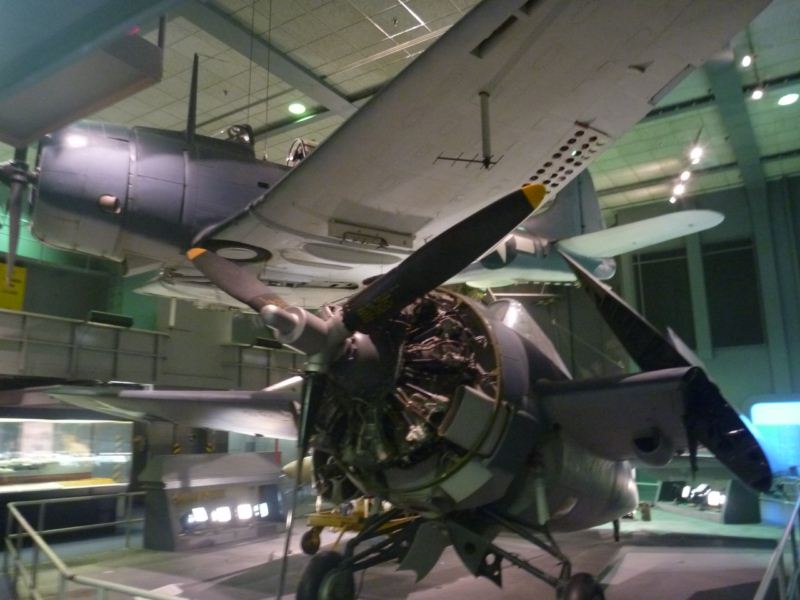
622,239
625,418
562,80
264,413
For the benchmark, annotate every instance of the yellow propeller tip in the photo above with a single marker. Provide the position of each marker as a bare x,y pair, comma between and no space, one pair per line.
195,252
535,193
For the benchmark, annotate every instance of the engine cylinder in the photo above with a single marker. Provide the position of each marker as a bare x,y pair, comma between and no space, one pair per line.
441,425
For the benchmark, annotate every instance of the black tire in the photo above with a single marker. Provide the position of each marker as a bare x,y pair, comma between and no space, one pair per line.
323,572
582,586
310,541
338,584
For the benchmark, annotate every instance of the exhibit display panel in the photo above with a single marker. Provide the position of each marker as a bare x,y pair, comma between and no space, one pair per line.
44,454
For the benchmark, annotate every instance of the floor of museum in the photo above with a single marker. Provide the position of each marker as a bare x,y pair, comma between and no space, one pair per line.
672,556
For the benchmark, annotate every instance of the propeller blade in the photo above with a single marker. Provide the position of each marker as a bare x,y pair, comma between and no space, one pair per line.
232,279
440,259
709,418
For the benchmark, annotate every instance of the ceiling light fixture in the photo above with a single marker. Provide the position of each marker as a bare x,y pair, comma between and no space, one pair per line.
685,175
757,94
747,60
679,190
695,154
296,108
788,99
672,199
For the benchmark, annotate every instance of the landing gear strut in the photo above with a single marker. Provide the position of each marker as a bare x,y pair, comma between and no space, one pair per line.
581,586
329,575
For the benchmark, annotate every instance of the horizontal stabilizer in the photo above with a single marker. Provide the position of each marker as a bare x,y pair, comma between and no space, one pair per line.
266,413
634,236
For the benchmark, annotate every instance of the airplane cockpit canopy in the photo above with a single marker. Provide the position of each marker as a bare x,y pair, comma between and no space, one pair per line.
298,151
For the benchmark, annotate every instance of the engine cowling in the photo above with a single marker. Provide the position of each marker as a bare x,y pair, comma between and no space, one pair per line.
430,412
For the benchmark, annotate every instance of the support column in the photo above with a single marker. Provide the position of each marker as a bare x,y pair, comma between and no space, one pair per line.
726,85
697,287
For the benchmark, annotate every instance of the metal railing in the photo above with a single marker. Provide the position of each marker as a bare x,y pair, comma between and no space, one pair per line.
18,571
53,346
786,580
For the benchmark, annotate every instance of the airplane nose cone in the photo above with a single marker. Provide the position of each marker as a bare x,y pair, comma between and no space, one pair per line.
82,188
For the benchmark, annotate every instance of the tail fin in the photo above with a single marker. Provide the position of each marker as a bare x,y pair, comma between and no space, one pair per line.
575,211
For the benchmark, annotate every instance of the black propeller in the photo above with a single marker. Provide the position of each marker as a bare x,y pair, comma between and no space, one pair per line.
440,259
430,266
709,418
234,280
16,176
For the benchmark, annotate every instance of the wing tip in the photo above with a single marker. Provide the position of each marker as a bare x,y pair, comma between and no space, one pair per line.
534,194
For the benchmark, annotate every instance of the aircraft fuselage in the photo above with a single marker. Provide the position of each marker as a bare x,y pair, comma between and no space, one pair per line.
113,191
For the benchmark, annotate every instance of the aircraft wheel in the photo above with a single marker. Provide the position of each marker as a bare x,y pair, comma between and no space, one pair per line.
323,580
310,541
582,586
338,584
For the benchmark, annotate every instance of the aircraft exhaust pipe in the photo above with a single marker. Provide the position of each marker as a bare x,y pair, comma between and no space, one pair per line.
655,449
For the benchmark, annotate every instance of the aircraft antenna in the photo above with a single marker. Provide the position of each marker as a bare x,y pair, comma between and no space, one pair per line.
250,57
269,62
191,119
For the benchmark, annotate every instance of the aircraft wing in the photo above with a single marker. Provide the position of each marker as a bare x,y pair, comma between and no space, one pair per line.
645,417
635,236
558,81
265,412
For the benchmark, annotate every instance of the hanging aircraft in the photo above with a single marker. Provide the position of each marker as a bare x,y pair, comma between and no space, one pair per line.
528,254
517,91
462,415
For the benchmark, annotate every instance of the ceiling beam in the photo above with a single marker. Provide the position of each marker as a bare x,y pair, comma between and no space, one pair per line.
233,34
768,85
696,173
